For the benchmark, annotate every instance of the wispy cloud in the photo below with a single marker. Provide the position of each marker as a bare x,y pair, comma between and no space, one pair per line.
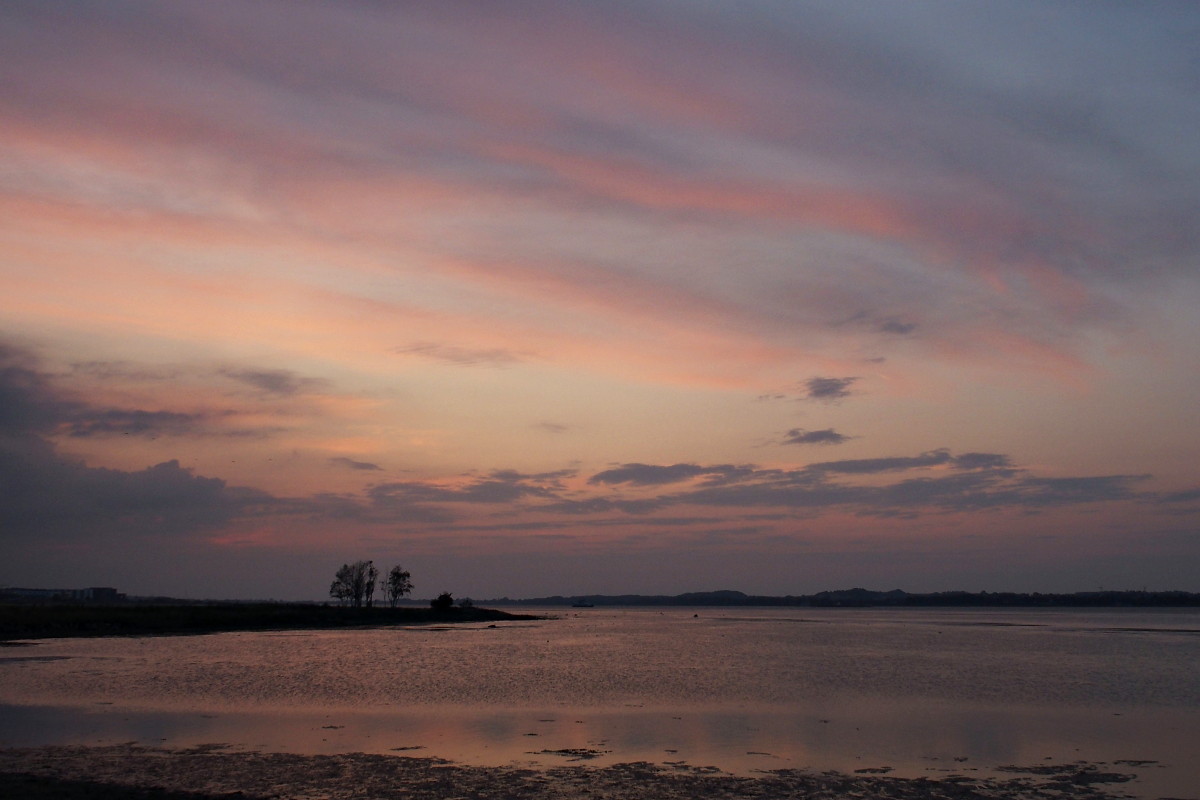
280,382
32,402
136,422
461,356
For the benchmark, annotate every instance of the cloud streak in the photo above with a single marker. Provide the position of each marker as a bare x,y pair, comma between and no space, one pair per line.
461,356
278,382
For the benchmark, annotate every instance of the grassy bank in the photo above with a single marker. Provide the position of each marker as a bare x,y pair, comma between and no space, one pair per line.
54,621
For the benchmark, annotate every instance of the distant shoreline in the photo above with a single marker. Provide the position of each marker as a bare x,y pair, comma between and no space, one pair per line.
865,598
52,621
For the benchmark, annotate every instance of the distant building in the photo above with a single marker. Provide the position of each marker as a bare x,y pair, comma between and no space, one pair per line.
92,594
99,594
39,594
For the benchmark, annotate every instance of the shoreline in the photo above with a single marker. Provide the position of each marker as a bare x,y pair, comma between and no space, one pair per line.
30,622
206,772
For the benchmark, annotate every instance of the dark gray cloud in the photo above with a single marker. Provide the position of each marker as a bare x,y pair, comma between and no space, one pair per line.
865,466
54,497
653,475
419,492
29,403
1090,489
553,479
959,491
828,389
881,324
434,502
280,382
981,461
601,505
498,487
1185,496
274,382
32,402
47,494
88,422
461,356
607,522
976,481
933,458
823,436
897,327
122,371
342,461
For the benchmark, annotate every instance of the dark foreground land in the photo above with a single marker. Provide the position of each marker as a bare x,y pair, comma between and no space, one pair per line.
60,621
126,772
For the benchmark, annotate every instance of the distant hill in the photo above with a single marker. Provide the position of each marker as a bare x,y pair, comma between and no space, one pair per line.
864,598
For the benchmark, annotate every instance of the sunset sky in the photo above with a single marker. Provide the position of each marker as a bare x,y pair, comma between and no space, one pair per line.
599,297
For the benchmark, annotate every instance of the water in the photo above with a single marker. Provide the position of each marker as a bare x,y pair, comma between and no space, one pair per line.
922,692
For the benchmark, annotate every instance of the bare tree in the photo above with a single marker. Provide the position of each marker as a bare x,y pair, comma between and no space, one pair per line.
355,584
341,589
369,585
399,583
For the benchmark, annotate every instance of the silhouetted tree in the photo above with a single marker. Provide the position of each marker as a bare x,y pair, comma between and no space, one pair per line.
355,584
399,583
442,602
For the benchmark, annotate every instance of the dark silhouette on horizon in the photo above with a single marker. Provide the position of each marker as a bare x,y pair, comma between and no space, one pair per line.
865,598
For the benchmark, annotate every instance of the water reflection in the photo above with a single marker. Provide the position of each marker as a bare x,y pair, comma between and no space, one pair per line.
923,693
911,740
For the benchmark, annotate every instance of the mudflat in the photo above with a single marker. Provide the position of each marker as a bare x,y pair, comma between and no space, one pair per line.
126,772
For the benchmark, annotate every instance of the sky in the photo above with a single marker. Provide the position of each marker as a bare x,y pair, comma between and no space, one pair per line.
612,297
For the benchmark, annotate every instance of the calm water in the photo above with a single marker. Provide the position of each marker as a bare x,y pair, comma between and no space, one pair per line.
921,692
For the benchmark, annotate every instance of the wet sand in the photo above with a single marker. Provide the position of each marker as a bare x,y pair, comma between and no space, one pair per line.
215,771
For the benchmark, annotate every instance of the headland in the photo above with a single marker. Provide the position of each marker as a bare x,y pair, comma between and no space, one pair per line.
62,620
